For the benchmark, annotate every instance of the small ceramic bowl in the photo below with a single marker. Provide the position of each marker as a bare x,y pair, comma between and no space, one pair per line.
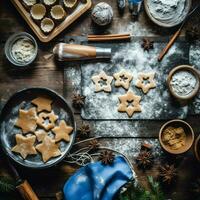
180,68
197,148
11,41
189,136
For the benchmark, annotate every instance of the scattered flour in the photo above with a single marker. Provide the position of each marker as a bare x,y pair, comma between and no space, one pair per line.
132,58
183,83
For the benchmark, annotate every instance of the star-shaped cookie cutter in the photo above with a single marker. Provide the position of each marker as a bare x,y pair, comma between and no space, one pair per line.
123,79
102,82
141,82
129,103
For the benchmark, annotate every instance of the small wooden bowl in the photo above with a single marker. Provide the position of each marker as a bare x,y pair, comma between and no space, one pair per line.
189,136
184,68
197,148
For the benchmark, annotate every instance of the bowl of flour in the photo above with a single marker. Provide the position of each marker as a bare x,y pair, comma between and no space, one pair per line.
183,82
167,13
21,49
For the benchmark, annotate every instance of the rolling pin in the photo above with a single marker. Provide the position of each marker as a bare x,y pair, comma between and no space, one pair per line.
74,52
23,187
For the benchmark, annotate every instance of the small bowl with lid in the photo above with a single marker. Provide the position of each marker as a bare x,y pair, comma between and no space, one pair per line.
21,49
183,82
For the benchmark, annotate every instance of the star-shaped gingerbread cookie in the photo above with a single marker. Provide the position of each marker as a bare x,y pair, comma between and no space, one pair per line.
62,131
123,79
146,81
40,134
42,103
47,120
48,148
25,145
102,82
27,120
129,103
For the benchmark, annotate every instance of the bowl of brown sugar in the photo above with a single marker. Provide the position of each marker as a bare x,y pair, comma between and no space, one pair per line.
176,136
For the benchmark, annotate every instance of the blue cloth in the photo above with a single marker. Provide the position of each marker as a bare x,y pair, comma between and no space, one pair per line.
97,181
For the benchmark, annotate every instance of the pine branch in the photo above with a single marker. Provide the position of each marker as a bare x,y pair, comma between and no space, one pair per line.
137,192
6,184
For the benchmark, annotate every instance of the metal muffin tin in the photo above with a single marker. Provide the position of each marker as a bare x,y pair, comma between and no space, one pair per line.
22,99
168,25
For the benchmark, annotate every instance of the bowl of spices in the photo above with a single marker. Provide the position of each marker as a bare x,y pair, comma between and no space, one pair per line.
21,49
183,82
176,136
167,13
197,148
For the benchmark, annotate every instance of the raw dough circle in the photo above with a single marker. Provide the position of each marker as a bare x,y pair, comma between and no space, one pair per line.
49,2
38,11
69,3
29,2
47,25
57,12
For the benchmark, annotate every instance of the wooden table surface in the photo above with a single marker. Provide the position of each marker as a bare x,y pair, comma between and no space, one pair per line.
47,183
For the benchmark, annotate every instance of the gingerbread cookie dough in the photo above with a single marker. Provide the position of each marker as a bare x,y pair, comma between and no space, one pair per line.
102,82
48,148
62,131
24,146
42,103
129,103
41,134
47,120
146,81
27,120
123,79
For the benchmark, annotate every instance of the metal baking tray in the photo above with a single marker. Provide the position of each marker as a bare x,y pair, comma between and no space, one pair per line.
22,99
70,18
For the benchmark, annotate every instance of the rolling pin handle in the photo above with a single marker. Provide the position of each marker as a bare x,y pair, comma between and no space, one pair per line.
26,191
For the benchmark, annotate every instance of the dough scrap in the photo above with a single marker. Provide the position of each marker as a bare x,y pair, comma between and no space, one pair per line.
123,79
146,77
47,120
48,148
24,145
27,120
129,103
62,131
41,134
102,82
42,103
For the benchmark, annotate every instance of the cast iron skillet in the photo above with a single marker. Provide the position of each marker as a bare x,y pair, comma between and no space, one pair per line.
8,117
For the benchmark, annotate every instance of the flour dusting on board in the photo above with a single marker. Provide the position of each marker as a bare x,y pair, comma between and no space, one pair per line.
132,58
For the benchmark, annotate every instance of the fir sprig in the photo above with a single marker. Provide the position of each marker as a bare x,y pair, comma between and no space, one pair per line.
6,184
134,192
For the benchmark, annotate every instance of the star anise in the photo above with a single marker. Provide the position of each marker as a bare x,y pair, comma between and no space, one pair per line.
192,33
168,173
147,44
78,101
107,157
93,145
84,130
144,159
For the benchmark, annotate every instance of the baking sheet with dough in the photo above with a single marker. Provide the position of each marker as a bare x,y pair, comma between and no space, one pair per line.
157,103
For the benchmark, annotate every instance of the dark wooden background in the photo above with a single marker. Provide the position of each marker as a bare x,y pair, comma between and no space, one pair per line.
47,183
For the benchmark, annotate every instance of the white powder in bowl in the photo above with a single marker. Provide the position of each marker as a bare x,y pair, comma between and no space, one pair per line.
183,83
23,50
